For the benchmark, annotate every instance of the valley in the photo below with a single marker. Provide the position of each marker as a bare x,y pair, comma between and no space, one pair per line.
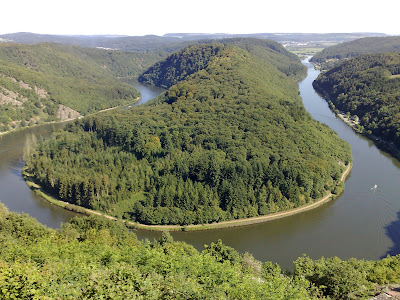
231,84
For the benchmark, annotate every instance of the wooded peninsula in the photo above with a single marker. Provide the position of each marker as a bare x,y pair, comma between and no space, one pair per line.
230,139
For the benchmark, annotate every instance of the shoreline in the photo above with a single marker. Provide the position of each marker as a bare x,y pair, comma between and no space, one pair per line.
226,224
66,120
379,143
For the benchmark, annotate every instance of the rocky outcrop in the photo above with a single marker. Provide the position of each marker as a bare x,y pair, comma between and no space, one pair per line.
66,113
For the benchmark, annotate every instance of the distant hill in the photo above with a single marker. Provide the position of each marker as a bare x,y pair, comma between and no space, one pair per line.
229,139
123,43
281,37
181,64
358,47
173,41
45,82
367,86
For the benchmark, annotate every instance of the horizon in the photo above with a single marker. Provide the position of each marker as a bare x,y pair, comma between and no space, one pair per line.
158,17
175,34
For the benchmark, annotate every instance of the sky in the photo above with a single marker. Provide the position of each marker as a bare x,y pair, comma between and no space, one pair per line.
136,18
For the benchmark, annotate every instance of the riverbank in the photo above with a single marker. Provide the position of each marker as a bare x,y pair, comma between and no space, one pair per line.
226,224
36,125
387,147
381,144
66,120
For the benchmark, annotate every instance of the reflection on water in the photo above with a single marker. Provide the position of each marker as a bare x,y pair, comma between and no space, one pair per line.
147,92
14,193
393,232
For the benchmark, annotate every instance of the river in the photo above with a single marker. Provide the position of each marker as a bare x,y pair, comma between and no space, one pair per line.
361,223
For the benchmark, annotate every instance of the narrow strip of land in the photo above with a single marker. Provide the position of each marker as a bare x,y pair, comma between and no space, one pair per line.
225,224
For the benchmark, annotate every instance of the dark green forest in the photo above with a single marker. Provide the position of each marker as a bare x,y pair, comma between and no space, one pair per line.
95,258
369,87
82,79
181,64
230,140
367,45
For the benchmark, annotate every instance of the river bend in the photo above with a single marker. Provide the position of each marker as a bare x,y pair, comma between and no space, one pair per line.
362,222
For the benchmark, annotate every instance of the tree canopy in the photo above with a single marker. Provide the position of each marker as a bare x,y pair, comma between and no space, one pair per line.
367,86
367,45
95,258
36,79
231,139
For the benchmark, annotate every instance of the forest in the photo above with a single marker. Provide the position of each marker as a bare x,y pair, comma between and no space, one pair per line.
367,87
230,140
95,258
82,79
161,74
351,49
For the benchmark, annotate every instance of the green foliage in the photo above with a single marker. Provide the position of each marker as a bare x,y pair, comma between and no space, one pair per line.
40,77
367,87
3,210
183,63
20,281
367,45
94,258
347,279
232,140
272,52
178,65
22,226
63,265
166,237
222,253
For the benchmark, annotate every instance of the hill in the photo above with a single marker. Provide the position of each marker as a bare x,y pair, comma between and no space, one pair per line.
176,67
93,258
122,43
230,140
367,45
175,41
47,82
281,37
367,86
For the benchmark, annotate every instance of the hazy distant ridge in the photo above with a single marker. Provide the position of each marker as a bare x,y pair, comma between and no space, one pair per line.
170,41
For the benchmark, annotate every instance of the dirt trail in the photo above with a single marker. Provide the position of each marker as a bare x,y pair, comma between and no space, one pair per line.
246,221
225,224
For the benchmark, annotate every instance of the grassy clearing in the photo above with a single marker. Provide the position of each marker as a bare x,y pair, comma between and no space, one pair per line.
305,50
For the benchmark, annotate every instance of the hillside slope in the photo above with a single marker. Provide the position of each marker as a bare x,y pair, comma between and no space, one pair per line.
368,45
41,82
231,140
181,64
367,86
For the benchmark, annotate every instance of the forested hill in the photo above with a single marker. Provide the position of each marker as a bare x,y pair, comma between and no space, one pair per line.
36,79
182,63
232,140
358,47
367,86
95,258
147,43
272,52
